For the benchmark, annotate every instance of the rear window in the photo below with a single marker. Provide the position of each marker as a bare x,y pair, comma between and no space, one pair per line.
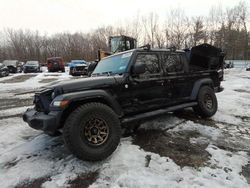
54,60
172,63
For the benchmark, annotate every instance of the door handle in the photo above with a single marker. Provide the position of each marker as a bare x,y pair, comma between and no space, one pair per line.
160,81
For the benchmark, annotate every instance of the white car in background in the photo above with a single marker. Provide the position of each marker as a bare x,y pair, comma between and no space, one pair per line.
14,66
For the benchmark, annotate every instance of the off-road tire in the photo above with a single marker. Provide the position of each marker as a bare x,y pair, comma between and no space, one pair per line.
76,123
205,109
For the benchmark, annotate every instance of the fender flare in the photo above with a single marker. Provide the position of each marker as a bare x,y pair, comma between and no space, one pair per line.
92,94
197,86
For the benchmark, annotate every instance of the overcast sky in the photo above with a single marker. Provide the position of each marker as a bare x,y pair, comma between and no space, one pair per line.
51,16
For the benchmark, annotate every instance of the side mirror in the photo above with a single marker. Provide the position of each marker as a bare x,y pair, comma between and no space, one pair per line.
139,69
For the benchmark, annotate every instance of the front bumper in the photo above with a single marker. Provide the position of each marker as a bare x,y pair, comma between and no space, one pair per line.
30,70
78,72
49,123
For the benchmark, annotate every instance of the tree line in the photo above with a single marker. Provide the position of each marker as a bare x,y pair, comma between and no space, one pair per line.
226,28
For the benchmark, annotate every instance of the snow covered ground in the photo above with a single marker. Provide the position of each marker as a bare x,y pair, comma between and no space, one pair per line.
170,151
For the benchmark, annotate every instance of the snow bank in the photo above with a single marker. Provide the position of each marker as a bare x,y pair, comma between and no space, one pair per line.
127,168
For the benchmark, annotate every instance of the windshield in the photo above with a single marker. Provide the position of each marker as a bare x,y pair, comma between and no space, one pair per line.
10,62
78,62
32,63
113,65
116,44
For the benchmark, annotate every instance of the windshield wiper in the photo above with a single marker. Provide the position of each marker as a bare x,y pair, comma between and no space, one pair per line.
95,74
103,73
108,73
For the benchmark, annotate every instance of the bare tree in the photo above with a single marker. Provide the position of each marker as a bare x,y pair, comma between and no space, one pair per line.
223,27
197,31
178,28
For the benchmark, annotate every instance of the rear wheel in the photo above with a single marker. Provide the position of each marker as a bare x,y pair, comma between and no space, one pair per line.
92,132
207,102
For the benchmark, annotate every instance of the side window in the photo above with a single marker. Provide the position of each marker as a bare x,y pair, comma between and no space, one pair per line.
172,63
152,64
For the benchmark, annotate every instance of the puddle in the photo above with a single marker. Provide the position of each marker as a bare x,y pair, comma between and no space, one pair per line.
190,115
176,147
37,183
84,180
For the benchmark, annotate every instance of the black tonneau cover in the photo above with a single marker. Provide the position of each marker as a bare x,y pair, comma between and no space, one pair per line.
205,56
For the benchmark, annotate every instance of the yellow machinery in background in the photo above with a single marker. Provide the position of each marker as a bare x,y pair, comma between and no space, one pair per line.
118,44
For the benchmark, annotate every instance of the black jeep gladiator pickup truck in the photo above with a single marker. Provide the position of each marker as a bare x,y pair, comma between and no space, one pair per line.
124,89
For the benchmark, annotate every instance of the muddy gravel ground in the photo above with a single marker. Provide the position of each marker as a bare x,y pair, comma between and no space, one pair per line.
48,80
175,150
7,103
18,79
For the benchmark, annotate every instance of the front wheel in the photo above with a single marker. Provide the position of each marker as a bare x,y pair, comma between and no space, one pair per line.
92,132
207,102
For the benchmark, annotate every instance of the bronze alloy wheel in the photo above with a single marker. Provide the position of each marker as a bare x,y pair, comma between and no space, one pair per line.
96,131
92,132
208,101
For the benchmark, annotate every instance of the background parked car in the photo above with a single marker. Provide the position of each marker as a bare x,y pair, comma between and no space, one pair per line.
228,65
14,66
248,68
4,71
78,67
92,67
31,66
55,64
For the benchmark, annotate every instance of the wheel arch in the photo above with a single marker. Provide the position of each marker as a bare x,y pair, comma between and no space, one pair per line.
79,98
198,84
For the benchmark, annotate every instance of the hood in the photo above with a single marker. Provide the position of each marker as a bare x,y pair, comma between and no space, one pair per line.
77,64
85,84
30,65
80,65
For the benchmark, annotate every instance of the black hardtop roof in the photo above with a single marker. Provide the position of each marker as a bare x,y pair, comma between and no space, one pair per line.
146,50
157,50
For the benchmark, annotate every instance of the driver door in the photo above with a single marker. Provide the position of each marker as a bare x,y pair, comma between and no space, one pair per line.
147,89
